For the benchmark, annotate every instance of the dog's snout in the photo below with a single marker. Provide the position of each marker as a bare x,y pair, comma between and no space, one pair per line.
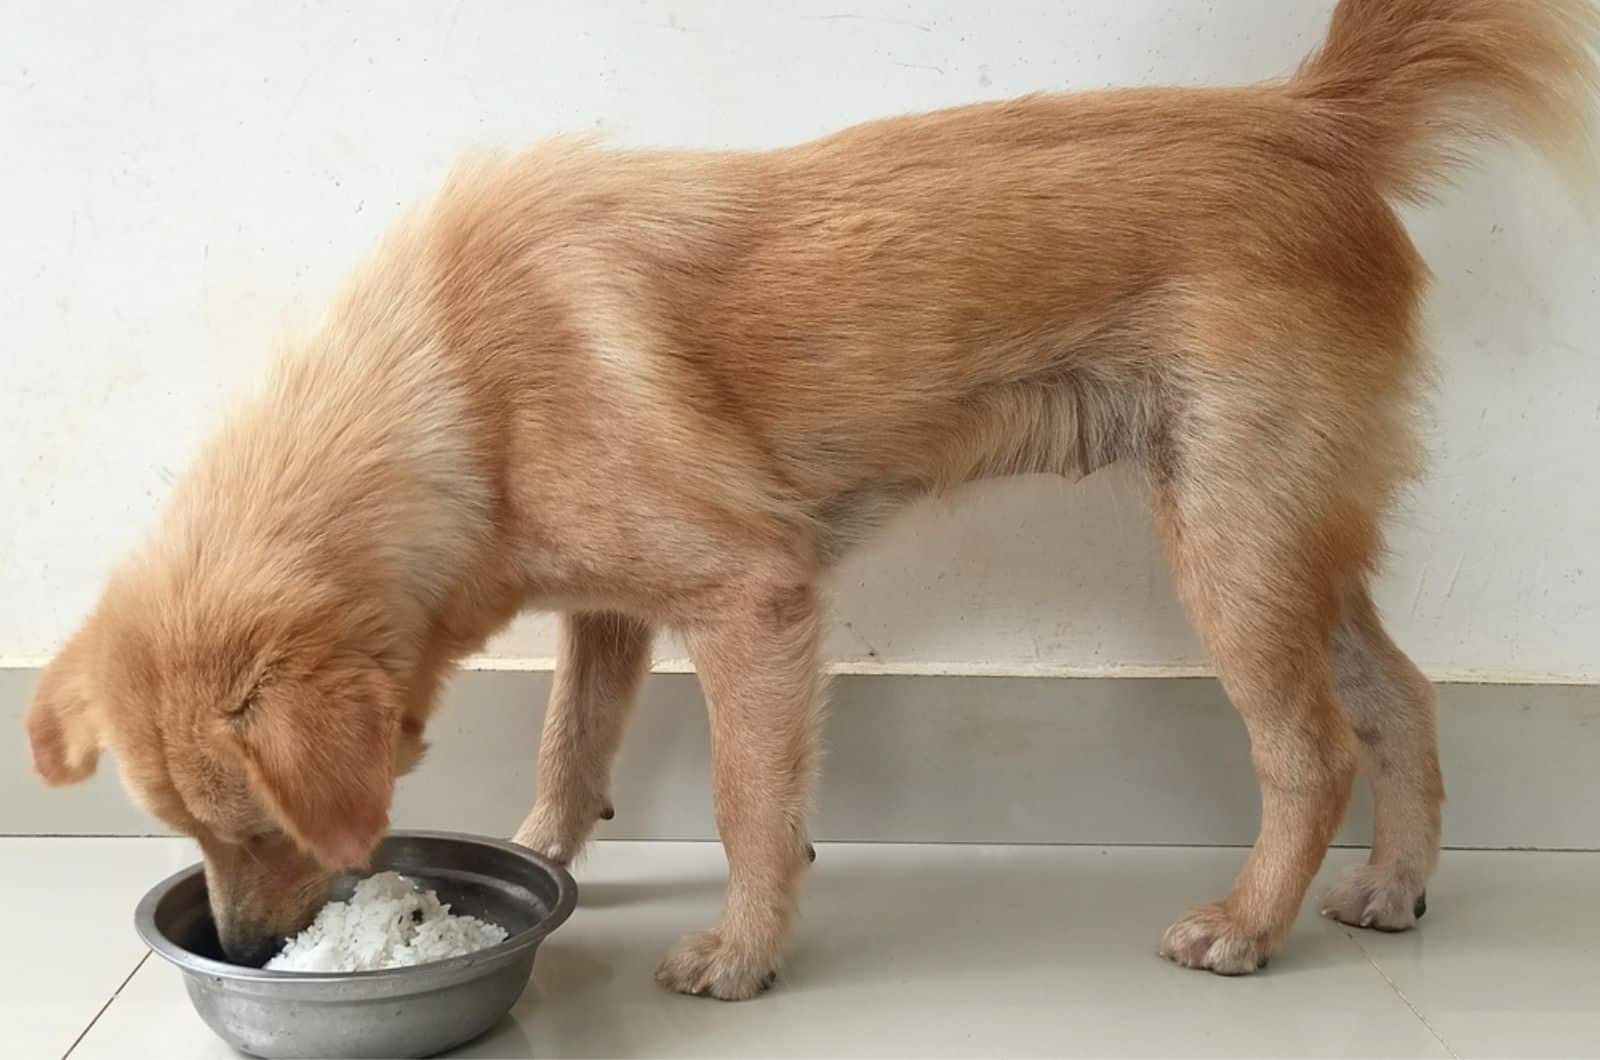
251,952
260,895
243,941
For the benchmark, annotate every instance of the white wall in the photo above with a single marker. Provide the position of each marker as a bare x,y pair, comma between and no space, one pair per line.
183,181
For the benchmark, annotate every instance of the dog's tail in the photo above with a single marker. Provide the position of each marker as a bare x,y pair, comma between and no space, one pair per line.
1407,87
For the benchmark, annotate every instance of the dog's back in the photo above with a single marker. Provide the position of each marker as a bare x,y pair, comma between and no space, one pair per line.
885,309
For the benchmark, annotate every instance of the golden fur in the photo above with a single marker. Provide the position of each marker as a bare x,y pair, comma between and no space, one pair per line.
667,389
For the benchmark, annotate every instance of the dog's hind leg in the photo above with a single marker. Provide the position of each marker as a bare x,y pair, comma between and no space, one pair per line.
602,659
1268,510
1390,704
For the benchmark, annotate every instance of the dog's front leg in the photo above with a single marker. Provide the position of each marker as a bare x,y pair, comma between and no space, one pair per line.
602,659
757,662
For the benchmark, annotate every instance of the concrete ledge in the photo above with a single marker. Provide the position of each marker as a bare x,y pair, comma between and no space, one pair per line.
913,758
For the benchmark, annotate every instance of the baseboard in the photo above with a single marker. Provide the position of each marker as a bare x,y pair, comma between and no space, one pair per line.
921,758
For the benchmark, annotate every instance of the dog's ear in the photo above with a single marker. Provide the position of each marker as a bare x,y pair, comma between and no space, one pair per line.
65,727
319,750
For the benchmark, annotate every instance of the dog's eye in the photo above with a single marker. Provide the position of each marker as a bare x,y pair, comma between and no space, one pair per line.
244,705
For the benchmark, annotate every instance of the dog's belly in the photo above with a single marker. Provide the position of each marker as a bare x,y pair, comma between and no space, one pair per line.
1070,425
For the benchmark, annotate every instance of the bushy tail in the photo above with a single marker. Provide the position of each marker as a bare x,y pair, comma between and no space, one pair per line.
1408,87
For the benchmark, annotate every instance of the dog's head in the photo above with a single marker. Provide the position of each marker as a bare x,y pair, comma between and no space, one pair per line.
247,713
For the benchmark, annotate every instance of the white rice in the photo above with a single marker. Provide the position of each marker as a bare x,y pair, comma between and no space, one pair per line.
387,923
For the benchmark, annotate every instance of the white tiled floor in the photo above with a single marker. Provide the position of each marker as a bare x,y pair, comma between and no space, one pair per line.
906,950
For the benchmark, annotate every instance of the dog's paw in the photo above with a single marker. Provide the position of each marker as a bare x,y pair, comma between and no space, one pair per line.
1208,938
544,834
1375,896
558,831
706,965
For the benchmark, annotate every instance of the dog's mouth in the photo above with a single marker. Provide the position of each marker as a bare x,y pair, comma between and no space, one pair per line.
246,953
253,954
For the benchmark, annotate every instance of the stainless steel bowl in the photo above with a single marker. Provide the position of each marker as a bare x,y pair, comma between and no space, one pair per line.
399,1012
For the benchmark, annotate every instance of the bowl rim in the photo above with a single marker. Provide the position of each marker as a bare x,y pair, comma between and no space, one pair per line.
144,919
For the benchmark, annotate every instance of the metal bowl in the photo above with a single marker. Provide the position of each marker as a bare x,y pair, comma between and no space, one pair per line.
400,1012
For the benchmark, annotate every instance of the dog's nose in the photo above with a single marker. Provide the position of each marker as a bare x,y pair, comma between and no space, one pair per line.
250,953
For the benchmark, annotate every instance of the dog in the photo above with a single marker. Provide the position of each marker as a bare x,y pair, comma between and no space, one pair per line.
667,390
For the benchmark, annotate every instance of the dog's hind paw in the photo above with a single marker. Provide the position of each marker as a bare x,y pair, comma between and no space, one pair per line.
1375,896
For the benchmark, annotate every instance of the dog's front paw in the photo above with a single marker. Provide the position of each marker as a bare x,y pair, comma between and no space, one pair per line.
1209,938
545,833
707,965
559,826
1375,896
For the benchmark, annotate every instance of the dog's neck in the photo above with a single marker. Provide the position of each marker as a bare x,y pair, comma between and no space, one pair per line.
350,471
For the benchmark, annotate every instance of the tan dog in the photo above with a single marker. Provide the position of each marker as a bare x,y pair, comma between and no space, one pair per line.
668,390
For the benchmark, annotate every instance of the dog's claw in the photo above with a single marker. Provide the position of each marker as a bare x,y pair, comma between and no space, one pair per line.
607,812
811,853
1421,907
